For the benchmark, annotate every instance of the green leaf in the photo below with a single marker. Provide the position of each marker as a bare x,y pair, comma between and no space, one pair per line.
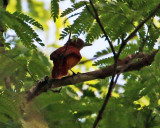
74,8
21,27
28,19
55,9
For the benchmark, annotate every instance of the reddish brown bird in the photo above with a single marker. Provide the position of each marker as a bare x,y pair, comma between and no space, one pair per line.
66,57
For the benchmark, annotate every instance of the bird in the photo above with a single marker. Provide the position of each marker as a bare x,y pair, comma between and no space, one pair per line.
66,57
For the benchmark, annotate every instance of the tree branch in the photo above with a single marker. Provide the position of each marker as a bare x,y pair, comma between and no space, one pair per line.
42,86
5,3
114,66
116,56
101,26
138,27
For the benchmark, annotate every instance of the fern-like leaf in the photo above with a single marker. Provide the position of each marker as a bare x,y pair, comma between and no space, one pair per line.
1,39
103,52
70,17
55,9
104,62
65,32
74,7
28,19
93,33
10,113
21,27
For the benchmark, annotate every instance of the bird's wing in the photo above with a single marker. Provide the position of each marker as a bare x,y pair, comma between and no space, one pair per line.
64,52
72,50
57,53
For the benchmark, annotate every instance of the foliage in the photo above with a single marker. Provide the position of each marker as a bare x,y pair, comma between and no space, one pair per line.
10,112
55,9
19,24
134,103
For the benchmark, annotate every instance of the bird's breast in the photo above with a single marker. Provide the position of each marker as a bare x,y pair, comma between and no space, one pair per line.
72,60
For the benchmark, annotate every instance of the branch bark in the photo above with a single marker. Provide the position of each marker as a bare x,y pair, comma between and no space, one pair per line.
43,86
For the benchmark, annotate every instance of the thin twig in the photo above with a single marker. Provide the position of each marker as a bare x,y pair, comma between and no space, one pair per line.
5,3
138,27
89,10
102,28
111,86
85,61
99,117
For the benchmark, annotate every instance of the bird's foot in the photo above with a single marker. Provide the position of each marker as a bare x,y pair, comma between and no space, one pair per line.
73,72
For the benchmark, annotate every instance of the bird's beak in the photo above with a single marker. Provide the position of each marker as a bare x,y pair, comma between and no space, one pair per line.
87,44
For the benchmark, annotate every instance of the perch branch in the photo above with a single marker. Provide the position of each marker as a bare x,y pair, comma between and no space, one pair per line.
42,86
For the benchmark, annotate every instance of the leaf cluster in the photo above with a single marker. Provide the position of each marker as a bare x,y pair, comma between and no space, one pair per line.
21,24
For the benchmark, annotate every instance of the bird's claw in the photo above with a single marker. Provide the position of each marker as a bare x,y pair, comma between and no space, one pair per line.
73,72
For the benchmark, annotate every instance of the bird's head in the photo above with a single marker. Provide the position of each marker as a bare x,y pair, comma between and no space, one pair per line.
78,43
